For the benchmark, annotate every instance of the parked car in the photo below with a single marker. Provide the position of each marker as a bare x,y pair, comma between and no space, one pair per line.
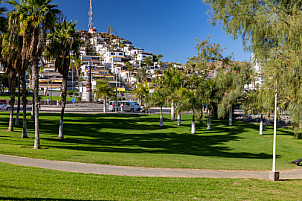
4,106
127,106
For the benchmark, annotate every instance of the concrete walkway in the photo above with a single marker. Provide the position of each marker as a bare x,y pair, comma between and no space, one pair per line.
145,172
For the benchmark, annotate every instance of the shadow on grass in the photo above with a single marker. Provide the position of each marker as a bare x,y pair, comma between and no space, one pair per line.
128,134
13,198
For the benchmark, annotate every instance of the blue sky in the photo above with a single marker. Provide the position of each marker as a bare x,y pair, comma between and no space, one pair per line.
167,27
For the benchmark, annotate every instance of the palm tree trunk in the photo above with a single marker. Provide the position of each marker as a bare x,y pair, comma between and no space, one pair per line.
12,101
209,120
104,106
32,115
79,77
35,74
193,128
24,103
261,125
230,115
172,111
72,78
178,119
161,121
18,108
64,93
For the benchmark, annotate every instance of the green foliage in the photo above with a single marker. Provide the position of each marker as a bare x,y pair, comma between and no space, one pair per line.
63,41
103,89
271,30
141,91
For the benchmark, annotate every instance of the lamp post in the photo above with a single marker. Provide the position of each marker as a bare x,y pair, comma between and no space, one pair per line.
273,175
115,83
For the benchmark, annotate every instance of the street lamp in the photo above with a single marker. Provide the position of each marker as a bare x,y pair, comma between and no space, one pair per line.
273,175
115,83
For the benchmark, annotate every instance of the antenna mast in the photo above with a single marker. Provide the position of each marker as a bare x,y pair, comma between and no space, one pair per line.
90,16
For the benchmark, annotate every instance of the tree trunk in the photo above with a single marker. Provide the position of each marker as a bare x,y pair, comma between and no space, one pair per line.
72,79
104,106
161,121
35,75
12,101
24,102
193,128
172,111
209,120
230,115
261,125
64,93
18,108
32,114
178,119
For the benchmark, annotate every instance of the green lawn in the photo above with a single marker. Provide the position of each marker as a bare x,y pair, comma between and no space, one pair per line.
27,183
136,140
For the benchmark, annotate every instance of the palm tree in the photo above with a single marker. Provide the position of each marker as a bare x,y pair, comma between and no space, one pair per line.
188,101
142,75
63,41
11,53
103,90
77,63
141,91
148,62
3,23
172,81
36,17
158,98
129,69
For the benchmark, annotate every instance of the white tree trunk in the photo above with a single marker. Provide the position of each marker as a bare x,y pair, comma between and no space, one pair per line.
24,103
11,119
161,120
230,115
12,102
17,119
172,111
104,106
61,130
209,120
36,107
193,128
178,119
261,125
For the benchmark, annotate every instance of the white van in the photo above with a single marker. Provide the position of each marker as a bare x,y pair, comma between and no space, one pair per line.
127,106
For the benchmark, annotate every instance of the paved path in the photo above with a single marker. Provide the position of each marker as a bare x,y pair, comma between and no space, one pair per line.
141,171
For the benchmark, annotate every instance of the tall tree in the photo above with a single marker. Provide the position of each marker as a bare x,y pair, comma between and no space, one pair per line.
77,63
104,91
36,18
11,58
171,80
3,20
141,91
158,99
271,30
63,41
130,70
148,62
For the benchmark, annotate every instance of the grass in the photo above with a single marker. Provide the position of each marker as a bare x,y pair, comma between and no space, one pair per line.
136,140
28,183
